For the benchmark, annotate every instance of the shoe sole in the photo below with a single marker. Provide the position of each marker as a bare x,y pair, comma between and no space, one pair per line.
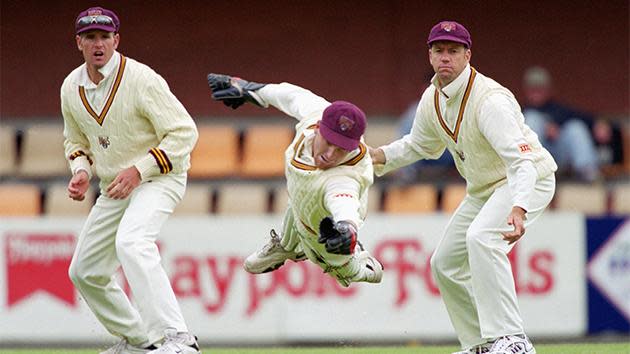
272,268
266,270
299,258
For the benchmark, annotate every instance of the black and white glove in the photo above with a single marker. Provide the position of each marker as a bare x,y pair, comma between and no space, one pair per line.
339,238
234,91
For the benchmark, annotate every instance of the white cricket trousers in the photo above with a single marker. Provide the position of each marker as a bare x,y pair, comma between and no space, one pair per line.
123,233
471,267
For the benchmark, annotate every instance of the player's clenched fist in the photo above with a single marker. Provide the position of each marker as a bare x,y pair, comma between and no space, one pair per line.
78,185
339,238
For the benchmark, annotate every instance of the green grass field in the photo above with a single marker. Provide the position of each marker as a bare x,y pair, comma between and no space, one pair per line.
574,348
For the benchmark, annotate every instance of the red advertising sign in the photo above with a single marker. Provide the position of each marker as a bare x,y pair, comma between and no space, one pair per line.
39,262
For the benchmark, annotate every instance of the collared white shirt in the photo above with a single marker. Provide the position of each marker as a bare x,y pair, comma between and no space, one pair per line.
97,93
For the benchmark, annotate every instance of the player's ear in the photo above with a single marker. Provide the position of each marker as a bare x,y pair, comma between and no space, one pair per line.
78,39
116,40
429,55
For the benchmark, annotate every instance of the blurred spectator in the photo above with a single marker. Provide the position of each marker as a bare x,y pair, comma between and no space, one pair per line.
609,143
564,131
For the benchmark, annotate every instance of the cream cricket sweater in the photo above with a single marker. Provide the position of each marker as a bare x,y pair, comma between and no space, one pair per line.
481,124
341,191
129,118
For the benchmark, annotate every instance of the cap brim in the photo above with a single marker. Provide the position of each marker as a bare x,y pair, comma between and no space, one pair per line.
448,38
337,139
95,26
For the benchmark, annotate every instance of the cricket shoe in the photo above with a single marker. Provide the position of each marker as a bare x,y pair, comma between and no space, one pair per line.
271,257
513,344
477,349
123,347
370,269
177,343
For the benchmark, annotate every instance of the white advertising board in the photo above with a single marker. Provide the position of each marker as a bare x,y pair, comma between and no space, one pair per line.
298,303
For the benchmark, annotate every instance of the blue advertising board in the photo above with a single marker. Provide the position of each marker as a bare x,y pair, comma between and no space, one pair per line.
608,247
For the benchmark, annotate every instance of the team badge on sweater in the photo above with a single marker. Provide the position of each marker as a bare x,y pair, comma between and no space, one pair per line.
103,141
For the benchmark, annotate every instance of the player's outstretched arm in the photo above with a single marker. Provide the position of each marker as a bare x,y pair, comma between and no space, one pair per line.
234,91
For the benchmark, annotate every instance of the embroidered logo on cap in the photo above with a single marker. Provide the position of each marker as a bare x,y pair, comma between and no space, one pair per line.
95,12
345,123
448,26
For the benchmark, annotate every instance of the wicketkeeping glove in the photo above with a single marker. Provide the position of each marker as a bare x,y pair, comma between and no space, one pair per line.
234,91
339,238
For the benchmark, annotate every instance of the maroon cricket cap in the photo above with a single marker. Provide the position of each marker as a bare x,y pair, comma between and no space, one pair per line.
343,124
97,18
450,31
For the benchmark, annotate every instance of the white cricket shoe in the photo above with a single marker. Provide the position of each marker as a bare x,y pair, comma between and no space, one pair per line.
477,349
370,269
513,344
177,343
123,347
271,257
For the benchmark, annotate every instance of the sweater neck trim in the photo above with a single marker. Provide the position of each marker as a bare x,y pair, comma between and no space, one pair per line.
460,116
99,118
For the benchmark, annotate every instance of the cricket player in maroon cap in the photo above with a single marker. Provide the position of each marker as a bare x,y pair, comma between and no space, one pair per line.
328,171
509,183
123,124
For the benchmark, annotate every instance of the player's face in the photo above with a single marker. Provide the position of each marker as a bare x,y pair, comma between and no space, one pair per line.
327,155
448,60
97,47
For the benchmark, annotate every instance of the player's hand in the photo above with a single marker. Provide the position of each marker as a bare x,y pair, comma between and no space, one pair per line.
517,219
126,181
339,238
234,91
78,185
377,155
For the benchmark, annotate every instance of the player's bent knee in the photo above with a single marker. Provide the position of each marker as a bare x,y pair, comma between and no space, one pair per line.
73,273
77,272
444,265
438,263
81,276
